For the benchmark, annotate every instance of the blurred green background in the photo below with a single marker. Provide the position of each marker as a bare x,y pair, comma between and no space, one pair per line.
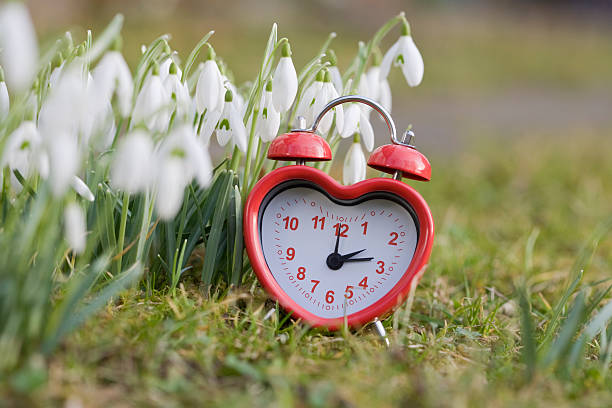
494,71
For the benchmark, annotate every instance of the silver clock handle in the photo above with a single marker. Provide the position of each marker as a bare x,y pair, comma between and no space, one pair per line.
366,101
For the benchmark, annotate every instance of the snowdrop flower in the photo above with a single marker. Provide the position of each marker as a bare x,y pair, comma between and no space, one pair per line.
164,67
152,102
69,111
384,95
24,152
67,107
132,166
64,161
81,188
179,92
183,143
18,46
181,157
307,103
355,120
112,76
169,188
209,94
325,95
238,99
285,82
364,88
406,55
354,169
230,125
4,97
209,124
334,72
75,227
268,120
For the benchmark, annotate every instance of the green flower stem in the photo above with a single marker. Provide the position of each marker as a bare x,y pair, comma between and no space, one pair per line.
258,164
360,62
147,214
247,165
122,225
236,156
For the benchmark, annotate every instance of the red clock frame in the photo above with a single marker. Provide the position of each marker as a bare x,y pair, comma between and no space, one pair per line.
301,172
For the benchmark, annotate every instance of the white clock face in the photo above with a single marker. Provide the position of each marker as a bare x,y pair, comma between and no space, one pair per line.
376,237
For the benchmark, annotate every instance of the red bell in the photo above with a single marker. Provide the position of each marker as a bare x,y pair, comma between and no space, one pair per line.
299,145
401,158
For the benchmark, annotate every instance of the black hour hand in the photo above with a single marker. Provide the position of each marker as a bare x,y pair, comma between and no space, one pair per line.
358,259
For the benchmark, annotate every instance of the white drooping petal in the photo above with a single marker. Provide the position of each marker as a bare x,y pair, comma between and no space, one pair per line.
98,124
112,76
239,133
385,65
170,187
412,65
18,46
202,164
182,99
64,161
385,98
209,89
55,75
405,54
364,87
183,144
336,79
307,103
326,94
164,68
5,104
69,106
133,163
374,83
81,188
351,120
284,85
224,131
152,105
354,169
237,97
269,119
23,152
367,133
75,227
208,126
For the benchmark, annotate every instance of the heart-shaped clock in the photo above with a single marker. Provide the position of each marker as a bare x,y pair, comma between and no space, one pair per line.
334,254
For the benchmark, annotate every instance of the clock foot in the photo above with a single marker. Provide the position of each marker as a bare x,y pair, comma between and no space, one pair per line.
380,329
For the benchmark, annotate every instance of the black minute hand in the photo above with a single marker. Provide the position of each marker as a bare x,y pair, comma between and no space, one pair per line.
352,254
337,239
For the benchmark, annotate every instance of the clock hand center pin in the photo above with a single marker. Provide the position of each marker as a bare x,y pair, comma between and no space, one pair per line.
335,260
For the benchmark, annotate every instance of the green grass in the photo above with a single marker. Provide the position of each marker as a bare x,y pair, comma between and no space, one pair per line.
507,217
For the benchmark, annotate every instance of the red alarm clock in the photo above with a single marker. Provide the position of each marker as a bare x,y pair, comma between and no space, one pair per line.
333,254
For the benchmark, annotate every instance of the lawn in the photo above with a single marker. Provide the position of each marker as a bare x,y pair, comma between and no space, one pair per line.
505,220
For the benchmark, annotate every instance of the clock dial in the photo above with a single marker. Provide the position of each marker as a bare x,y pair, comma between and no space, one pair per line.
336,257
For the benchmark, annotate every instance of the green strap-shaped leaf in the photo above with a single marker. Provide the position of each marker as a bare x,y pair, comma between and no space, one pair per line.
214,239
